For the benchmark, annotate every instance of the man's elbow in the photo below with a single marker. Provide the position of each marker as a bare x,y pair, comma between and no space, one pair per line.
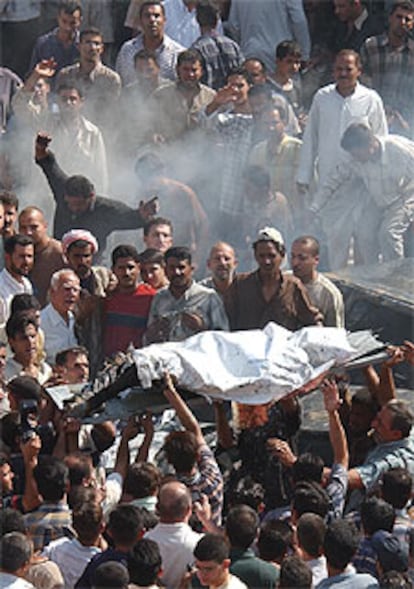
354,480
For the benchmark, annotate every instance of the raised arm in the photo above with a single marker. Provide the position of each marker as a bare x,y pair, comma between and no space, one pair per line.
44,158
336,431
185,415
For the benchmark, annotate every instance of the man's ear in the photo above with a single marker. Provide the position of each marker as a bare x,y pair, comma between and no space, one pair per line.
226,563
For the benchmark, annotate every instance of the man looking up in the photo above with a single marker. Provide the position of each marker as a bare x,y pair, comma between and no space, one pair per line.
304,259
152,38
48,257
18,257
222,263
185,307
126,310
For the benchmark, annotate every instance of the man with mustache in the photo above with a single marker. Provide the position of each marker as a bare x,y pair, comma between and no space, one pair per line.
222,263
18,257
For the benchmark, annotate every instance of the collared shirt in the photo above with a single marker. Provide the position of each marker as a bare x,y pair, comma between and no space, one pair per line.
349,581
220,56
49,522
208,481
59,334
71,557
328,299
196,299
346,35
248,309
49,45
330,115
390,71
166,55
263,25
253,571
175,116
9,287
14,368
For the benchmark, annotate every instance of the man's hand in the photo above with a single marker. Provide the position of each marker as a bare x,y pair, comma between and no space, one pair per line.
193,321
225,95
331,396
202,509
408,349
396,356
145,420
46,68
149,209
131,430
281,450
41,145
30,449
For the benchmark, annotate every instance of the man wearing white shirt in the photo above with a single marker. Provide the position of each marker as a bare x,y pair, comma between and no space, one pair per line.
182,25
57,319
333,109
18,258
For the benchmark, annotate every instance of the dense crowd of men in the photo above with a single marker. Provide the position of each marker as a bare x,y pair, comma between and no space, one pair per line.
246,145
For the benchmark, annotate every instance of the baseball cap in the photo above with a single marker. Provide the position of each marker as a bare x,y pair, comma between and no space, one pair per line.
269,234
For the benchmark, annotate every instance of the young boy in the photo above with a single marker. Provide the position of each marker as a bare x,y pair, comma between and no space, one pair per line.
285,79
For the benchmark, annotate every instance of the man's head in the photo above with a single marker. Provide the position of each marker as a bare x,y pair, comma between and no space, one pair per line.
393,422
390,554
309,497
181,449
70,100
207,14
256,71
376,514
304,258
6,476
189,68
64,291
91,46
125,266
396,485
401,19
79,194
360,142
69,17
158,234
288,58
222,262
142,480
364,408
19,255
145,563
347,11
347,69
269,250
41,91
311,531
260,100
22,334
88,522
111,575
152,265
16,551
275,540
238,80
273,120
125,525
178,267
33,223
242,526
73,365
174,503
295,574
257,184
79,247
24,388
146,68
340,544
52,478
212,560
152,20
10,204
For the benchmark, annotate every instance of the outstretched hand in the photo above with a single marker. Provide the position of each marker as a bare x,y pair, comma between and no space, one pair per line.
41,145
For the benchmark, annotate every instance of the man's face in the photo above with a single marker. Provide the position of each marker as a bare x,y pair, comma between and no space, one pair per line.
273,124
80,260
24,345
66,295
69,23
267,257
360,418
127,272
222,263
91,48
383,428
20,262
256,72
289,65
6,479
147,71
159,238
303,261
212,573
33,224
78,204
41,91
153,274
401,22
153,22
1,217
343,9
362,154
70,103
3,358
10,216
240,88
179,272
76,368
346,72
189,73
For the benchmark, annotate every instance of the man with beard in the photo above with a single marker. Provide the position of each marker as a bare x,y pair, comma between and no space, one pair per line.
185,307
222,263
18,257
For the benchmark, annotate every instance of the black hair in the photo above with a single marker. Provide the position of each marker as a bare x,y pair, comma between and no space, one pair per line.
376,514
241,526
357,135
309,241
181,253
189,55
15,240
9,198
151,3
212,547
239,71
124,251
287,48
62,356
404,4
90,31
295,573
152,256
144,563
310,497
78,185
87,521
18,323
181,450
308,467
69,6
311,531
16,551
262,63
11,520
125,524
70,86
341,543
80,467
145,54
142,479
207,13
110,575
24,302
275,539
402,418
154,222
396,485
25,387
52,478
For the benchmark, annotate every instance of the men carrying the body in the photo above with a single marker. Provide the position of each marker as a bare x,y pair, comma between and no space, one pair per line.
333,108
78,205
185,307
18,257
126,310
304,259
48,256
152,38
385,165
222,263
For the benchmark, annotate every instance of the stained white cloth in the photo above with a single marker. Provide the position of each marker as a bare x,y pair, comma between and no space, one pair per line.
252,367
